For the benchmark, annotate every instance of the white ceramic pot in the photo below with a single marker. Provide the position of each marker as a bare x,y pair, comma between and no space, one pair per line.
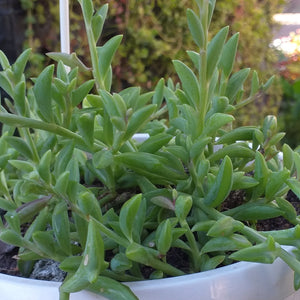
240,281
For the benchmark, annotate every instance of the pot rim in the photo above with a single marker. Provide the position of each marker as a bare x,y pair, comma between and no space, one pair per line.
237,266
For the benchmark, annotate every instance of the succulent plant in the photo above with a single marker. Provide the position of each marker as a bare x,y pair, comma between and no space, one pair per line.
78,187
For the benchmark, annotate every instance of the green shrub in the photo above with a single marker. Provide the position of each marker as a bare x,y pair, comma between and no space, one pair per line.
290,112
289,68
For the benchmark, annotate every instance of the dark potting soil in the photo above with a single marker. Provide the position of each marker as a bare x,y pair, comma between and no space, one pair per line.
49,270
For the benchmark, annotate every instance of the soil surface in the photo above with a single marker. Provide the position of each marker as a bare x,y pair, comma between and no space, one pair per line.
49,270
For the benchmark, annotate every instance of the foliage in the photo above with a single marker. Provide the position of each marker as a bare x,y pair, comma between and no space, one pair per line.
154,31
290,111
289,67
73,171
253,19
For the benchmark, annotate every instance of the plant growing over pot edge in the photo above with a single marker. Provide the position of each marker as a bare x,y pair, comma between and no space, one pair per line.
105,206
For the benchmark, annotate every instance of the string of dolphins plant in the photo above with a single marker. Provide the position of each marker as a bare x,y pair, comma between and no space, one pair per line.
103,205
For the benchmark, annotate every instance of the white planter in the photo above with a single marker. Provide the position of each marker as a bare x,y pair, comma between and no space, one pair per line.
140,137
240,281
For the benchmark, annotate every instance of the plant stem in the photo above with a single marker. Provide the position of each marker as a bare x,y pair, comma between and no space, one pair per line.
193,244
123,277
203,68
93,52
111,234
166,268
32,145
19,121
290,260
94,57
68,113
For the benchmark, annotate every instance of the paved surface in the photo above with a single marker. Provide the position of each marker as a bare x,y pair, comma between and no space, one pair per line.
292,6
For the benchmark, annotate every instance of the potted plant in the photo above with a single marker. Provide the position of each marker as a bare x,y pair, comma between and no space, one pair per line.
79,189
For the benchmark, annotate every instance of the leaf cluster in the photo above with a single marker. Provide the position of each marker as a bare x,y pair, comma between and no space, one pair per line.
104,203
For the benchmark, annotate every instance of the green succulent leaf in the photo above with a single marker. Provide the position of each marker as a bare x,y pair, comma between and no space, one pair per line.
297,163
89,205
198,147
212,263
22,165
294,184
267,85
288,156
196,28
112,289
44,167
61,185
120,263
254,84
183,205
45,242
87,9
225,227
20,98
85,124
275,182
230,243
288,209
155,143
265,252
61,227
228,55
296,281
254,211
20,145
6,84
164,237
195,58
19,66
235,84
81,92
243,182
62,159
4,61
148,256
98,21
128,214
70,60
215,122
214,51
269,126
159,93
103,159
222,185
189,82
138,119
42,92
91,265
106,53
245,133
11,237
73,168
261,174
233,150
27,211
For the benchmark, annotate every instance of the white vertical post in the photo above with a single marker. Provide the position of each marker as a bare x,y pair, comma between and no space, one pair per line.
64,26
